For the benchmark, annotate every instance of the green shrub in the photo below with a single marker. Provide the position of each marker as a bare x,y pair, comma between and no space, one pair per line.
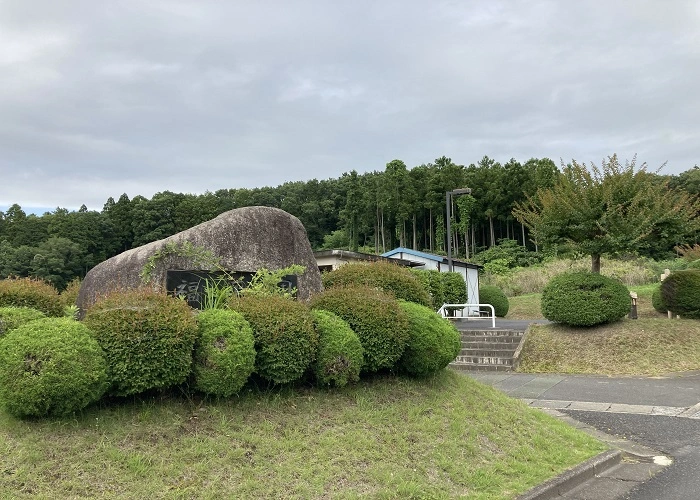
147,337
285,339
433,342
50,366
13,317
681,293
489,294
454,288
29,292
584,299
507,254
69,296
657,301
389,277
431,280
694,264
224,352
376,318
339,358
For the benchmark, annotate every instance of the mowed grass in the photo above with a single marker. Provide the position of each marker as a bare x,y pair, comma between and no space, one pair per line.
444,437
650,345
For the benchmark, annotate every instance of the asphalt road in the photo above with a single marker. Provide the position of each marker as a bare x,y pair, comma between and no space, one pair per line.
633,408
676,437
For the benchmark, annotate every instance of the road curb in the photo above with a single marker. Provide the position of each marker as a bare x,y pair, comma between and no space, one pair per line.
567,481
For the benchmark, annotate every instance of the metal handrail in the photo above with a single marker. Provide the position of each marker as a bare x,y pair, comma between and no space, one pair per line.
443,311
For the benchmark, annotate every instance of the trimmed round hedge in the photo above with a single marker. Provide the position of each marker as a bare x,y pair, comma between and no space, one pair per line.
340,355
224,352
376,318
285,339
454,288
392,278
147,337
681,293
584,299
657,301
433,342
13,317
29,292
489,294
50,366
431,280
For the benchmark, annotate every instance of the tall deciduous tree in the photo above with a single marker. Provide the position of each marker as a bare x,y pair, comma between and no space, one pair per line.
609,209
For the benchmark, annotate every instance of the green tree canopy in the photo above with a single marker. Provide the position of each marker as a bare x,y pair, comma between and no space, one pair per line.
609,209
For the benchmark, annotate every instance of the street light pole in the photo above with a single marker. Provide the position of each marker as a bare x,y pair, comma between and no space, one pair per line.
448,200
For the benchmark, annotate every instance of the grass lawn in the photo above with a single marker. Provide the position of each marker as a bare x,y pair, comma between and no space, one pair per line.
650,345
444,437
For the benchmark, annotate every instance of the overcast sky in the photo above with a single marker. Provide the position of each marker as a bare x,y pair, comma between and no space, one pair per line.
100,98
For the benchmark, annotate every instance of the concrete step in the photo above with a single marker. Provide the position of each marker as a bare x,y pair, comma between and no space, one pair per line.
484,360
479,367
491,333
488,353
503,344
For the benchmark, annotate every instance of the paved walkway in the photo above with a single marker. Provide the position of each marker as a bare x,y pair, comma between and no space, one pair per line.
650,410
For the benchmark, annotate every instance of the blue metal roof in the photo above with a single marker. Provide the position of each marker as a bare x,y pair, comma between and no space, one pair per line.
429,256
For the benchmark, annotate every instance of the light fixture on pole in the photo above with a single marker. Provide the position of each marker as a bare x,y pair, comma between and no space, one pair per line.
448,199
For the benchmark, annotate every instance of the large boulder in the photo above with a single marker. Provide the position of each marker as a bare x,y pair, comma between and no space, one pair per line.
242,240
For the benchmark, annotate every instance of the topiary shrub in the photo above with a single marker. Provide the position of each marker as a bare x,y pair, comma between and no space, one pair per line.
29,292
50,366
584,299
376,318
433,342
13,317
339,358
147,337
454,287
389,277
285,339
657,301
681,293
432,282
489,294
224,352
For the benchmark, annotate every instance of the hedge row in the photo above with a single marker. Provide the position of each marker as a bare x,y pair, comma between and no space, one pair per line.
138,341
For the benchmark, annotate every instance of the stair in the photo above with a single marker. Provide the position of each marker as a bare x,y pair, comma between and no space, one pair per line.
495,350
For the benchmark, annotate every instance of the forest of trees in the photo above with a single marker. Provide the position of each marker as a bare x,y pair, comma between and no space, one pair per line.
372,212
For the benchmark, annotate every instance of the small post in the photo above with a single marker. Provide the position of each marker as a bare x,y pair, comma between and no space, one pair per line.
633,308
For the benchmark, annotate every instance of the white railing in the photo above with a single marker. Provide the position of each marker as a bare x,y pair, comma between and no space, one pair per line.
443,311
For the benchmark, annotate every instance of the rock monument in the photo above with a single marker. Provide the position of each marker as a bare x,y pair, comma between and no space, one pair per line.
241,241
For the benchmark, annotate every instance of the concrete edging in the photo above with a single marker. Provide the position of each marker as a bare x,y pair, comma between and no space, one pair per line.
571,478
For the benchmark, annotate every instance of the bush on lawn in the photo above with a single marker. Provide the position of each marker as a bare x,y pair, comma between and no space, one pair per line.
339,358
29,292
657,301
376,318
681,293
387,276
454,288
584,299
489,294
50,366
13,317
285,339
224,353
432,281
147,337
433,342
694,264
